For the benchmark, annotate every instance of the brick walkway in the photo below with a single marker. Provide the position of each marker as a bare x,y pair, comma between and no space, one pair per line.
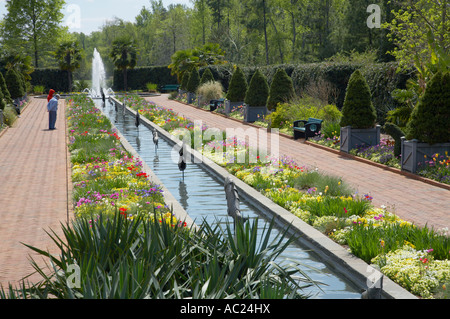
33,189
410,199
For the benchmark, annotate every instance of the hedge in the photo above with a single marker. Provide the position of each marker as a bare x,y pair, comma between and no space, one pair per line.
382,79
139,77
51,79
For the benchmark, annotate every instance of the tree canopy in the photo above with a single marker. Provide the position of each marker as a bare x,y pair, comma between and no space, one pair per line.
32,26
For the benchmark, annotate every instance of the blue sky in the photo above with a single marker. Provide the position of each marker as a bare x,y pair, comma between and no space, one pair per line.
89,15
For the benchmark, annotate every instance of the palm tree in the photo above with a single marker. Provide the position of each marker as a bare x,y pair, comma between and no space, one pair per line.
124,55
69,55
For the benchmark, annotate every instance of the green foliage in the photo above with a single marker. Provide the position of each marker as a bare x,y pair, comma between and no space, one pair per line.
396,133
207,76
9,115
51,79
2,103
123,53
185,80
302,109
188,60
151,87
325,184
430,119
14,84
358,110
328,81
194,81
211,90
4,89
137,78
364,240
38,89
32,26
410,31
141,259
281,90
238,86
69,55
258,90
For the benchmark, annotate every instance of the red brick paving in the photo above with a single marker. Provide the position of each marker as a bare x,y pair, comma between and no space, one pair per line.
33,189
410,199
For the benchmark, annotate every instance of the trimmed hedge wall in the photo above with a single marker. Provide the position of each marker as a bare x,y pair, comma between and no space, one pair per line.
51,79
382,79
139,77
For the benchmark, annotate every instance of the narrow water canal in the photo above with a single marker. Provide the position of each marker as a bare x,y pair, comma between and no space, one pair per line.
203,198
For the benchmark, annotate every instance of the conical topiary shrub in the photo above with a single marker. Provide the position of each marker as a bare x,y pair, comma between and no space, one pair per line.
281,89
256,98
238,86
430,119
358,110
185,81
14,84
194,81
2,103
258,90
207,76
4,89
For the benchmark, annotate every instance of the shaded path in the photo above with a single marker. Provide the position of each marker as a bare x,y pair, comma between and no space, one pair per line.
410,199
33,188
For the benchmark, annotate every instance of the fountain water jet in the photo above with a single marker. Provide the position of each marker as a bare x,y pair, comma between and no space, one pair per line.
98,74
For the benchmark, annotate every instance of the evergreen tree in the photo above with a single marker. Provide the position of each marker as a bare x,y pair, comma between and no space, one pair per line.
185,80
2,103
194,81
4,89
238,86
281,89
430,119
258,90
207,76
14,84
358,110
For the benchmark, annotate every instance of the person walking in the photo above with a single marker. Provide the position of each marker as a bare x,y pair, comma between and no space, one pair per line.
52,109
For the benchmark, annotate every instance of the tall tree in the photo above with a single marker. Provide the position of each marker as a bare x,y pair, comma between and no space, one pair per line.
69,55
31,25
124,55
409,29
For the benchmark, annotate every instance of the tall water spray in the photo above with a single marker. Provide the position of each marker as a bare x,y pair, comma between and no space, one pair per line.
98,74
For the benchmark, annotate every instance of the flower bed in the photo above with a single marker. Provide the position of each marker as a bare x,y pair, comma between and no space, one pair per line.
106,179
373,234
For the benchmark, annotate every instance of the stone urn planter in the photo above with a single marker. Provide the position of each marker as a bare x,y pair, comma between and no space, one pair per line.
254,113
229,106
352,138
416,153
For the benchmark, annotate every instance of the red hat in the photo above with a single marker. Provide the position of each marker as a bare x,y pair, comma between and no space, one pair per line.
50,95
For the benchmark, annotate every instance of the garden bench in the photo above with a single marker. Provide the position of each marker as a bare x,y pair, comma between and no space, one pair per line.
169,88
213,104
305,129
